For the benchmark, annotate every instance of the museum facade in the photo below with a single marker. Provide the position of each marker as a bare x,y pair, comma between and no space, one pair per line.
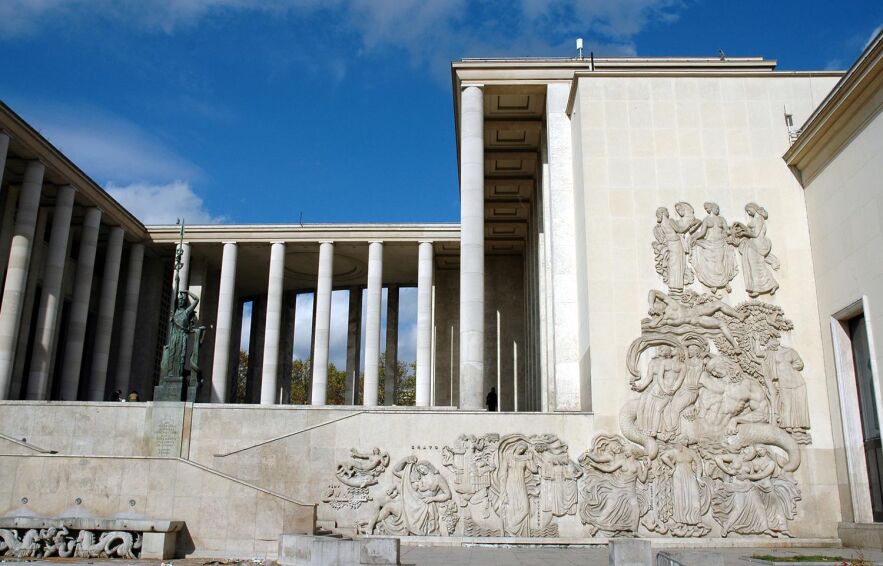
672,285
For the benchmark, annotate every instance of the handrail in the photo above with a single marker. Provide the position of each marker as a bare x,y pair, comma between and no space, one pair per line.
307,429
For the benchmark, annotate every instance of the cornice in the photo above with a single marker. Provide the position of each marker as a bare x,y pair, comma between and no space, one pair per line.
851,104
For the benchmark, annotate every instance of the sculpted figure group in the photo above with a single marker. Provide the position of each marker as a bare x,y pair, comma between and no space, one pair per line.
708,443
45,543
708,247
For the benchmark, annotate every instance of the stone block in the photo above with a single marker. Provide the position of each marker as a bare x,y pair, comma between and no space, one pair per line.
861,535
331,551
158,545
629,552
379,551
295,549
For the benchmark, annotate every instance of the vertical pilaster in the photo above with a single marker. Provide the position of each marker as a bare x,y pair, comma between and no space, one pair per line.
17,270
106,310
471,249
372,323
50,297
424,324
322,324
76,329
391,357
224,326
123,372
273,325
353,345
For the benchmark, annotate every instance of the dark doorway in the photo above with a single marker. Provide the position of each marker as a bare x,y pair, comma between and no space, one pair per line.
861,354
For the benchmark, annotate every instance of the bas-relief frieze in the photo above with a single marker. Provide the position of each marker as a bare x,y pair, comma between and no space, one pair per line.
707,444
45,543
685,246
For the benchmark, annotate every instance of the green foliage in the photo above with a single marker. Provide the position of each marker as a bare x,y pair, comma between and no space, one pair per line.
301,381
241,378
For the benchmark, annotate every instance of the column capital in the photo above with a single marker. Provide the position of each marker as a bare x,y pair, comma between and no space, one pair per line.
326,241
272,242
7,134
375,241
465,85
425,241
234,242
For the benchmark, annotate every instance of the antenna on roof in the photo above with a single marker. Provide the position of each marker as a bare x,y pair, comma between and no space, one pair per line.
579,48
723,56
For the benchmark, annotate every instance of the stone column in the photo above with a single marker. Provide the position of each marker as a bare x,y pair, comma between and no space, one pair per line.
424,324
391,358
322,324
353,345
7,226
471,249
7,200
106,308
76,328
372,323
224,326
17,270
273,325
4,149
130,319
50,298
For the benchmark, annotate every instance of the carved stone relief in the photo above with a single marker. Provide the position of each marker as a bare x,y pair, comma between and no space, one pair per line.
710,246
44,543
707,444
356,475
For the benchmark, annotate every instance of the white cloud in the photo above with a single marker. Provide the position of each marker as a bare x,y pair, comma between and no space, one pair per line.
109,148
163,204
873,36
428,31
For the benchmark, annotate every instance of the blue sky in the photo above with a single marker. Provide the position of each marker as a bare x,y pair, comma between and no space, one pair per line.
260,111
255,111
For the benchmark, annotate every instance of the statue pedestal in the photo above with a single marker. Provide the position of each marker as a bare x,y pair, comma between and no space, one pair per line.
169,389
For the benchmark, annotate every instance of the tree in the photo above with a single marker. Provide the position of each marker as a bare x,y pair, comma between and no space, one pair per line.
241,378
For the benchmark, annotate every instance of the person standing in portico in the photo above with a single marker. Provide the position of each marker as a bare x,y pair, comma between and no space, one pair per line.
491,400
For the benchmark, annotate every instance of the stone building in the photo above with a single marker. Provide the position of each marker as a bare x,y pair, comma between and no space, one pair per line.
673,286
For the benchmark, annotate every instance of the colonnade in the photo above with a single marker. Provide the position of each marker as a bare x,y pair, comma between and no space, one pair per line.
274,337
25,267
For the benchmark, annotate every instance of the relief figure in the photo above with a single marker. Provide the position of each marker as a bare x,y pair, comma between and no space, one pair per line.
669,247
516,483
690,497
665,374
414,510
757,261
666,311
611,502
558,477
688,392
713,260
781,370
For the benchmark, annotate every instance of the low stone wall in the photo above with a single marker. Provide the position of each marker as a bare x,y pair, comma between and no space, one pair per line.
110,429
223,516
464,475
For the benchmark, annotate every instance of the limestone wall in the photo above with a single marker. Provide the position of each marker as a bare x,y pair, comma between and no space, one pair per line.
110,429
223,517
845,207
650,142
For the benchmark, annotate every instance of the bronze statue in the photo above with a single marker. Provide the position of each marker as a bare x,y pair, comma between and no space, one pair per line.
182,324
